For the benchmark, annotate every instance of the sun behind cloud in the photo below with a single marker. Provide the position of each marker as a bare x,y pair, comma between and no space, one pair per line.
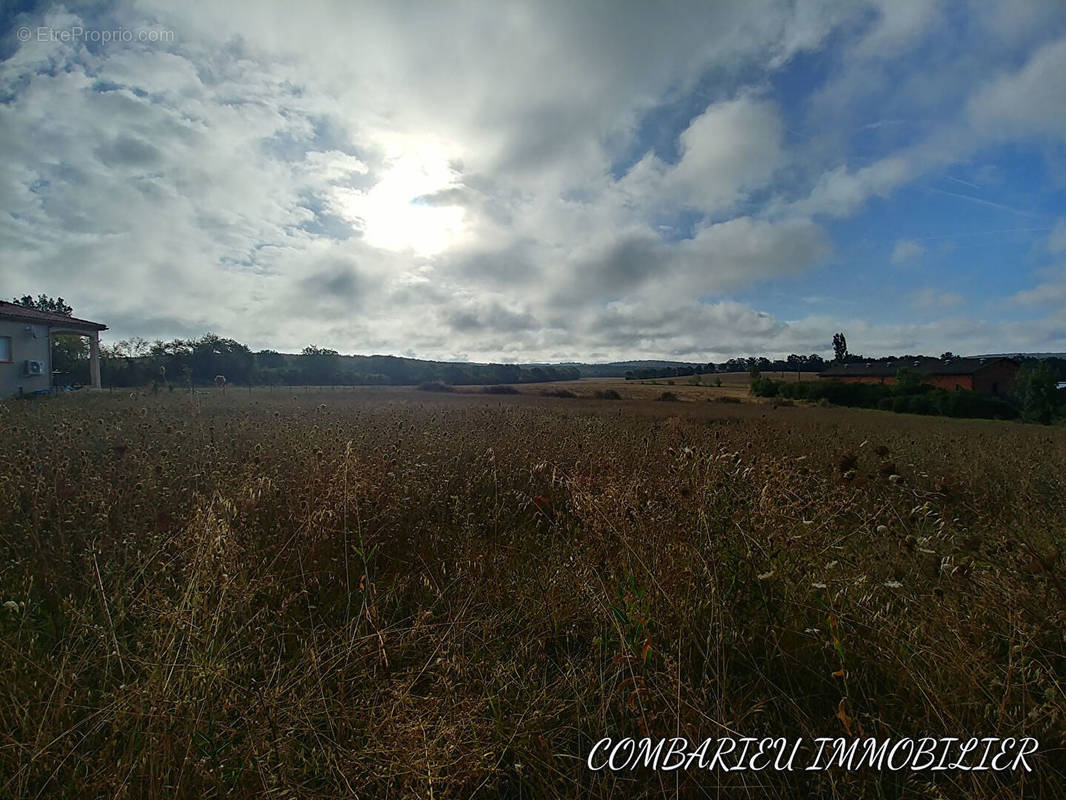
393,215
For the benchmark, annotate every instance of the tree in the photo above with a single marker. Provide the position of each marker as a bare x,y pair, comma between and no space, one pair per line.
130,348
319,365
907,381
70,355
840,347
1034,387
44,303
269,359
214,355
947,356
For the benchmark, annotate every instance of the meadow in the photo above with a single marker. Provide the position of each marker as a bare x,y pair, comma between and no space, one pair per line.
399,593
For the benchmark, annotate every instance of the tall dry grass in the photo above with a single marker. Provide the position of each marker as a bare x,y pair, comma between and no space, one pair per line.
395,594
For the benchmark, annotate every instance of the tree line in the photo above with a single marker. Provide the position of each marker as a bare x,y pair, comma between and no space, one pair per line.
196,362
793,363
1034,395
188,362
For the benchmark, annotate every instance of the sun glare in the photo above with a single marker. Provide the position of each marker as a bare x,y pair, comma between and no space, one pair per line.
393,214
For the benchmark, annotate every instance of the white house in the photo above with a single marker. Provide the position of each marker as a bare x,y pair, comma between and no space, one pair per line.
26,347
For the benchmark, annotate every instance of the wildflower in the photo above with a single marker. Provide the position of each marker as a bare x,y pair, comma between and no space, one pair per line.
893,584
819,585
765,576
12,606
882,529
894,478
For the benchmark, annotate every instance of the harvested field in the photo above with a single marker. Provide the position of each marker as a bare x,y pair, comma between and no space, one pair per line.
398,593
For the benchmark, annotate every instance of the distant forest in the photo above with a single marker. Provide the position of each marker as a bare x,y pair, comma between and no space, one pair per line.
794,363
185,362
196,362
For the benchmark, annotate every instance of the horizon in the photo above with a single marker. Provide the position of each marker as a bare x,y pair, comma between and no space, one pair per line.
543,184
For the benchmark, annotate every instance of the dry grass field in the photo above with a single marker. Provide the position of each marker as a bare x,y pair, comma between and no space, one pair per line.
399,593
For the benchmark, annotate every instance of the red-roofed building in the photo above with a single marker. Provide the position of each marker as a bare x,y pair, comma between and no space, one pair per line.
986,375
26,347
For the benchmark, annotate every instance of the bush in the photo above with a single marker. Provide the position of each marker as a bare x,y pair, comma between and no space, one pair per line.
972,405
1035,389
726,398
906,396
764,387
794,391
921,404
565,393
499,388
607,394
435,386
669,397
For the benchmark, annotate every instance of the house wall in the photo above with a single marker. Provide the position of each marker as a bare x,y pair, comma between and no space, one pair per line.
24,346
949,382
886,380
996,378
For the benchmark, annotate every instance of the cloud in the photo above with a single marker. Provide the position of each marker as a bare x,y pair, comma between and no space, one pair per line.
906,250
840,192
897,26
1056,240
1050,292
1026,102
931,299
731,147
535,181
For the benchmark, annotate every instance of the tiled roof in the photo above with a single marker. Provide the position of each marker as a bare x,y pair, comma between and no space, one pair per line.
924,366
15,311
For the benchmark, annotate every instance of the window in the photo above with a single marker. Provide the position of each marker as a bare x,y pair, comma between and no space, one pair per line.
5,348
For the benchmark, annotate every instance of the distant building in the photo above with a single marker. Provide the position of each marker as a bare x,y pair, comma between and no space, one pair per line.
26,347
985,375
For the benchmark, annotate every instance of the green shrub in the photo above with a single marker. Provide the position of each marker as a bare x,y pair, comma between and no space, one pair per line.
1034,387
917,399
764,387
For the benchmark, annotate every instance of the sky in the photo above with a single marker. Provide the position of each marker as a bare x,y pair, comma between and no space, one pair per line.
542,181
